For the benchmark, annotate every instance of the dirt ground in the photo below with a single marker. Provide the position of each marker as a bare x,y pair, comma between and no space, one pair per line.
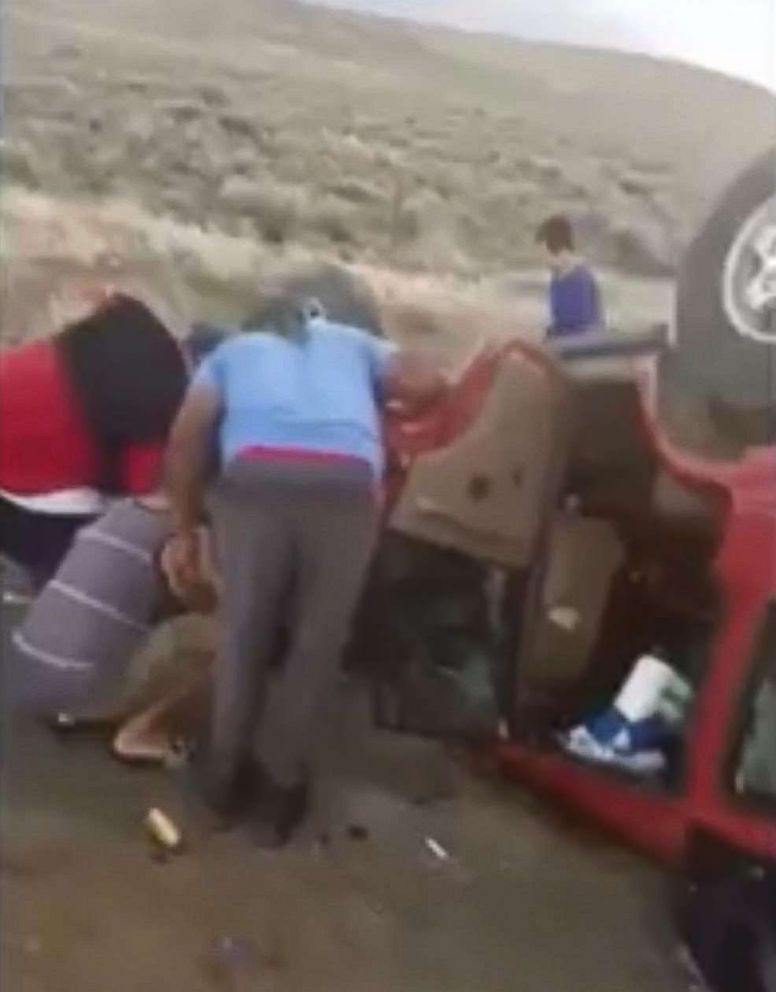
522,903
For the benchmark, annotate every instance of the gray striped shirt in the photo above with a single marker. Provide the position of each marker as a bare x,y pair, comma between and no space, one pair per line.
78,637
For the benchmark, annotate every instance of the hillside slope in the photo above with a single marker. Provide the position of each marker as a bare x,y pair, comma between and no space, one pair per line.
373,139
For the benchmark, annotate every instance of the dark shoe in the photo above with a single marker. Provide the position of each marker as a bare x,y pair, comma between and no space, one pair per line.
228,800
279,812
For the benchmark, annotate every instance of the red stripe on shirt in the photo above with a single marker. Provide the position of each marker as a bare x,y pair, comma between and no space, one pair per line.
299,455
310,456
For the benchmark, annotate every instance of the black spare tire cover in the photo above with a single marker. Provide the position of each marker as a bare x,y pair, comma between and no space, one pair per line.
725,321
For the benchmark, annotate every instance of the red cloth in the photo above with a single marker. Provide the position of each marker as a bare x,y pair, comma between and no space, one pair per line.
44,443
141,467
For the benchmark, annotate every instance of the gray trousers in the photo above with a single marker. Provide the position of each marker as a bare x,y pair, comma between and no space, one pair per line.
293,540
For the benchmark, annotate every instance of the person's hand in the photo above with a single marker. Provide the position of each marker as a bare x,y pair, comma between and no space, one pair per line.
181,563
416,381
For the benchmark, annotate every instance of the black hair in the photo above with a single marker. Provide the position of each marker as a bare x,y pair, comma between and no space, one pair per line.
203,339
557,233
129,376
327,289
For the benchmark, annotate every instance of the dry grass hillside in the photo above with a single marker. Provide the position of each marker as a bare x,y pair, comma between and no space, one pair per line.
290,129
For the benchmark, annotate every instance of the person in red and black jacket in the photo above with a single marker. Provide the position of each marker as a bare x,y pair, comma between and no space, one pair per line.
84,417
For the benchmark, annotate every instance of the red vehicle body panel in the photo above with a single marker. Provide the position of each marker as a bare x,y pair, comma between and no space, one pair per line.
655,822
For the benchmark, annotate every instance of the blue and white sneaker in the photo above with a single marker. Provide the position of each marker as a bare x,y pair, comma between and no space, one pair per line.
610,740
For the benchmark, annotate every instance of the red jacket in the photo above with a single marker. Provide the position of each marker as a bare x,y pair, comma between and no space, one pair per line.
45,445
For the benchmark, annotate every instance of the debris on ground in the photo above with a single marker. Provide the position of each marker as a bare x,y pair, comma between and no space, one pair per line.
232,958
236,962
357,831
163,831
437,850
430,797
32,946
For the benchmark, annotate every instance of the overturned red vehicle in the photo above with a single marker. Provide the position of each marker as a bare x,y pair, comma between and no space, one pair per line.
548,525
608,521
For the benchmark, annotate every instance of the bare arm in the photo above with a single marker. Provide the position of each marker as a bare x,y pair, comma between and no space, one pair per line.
188,456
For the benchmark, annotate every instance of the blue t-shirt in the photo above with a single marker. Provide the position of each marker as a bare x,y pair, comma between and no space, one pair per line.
575,303
318,393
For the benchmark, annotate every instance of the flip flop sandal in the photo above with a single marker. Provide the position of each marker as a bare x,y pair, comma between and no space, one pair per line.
172,756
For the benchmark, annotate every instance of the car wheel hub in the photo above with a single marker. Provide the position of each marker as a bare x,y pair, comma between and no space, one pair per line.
749,277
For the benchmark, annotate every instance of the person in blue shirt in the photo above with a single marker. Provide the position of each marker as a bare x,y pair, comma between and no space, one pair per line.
574,296
295,407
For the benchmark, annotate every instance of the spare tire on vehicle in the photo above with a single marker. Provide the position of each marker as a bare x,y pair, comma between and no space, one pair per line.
725,320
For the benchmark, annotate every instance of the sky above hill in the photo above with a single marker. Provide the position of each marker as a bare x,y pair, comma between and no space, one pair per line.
733,36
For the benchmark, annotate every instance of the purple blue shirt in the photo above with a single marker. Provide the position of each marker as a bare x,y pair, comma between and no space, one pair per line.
575,302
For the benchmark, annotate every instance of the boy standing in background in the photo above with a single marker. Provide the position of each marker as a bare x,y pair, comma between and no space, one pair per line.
574,296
